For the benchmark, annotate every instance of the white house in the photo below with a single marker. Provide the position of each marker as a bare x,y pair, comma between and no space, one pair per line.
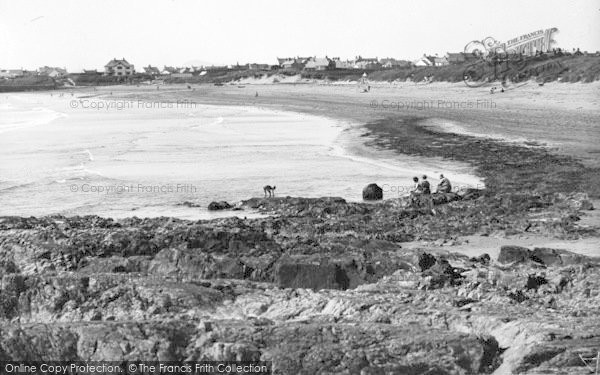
423,61
118,68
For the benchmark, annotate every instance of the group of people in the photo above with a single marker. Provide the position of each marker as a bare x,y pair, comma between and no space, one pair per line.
423,186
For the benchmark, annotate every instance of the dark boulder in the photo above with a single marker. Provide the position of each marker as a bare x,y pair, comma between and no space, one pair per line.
372,192
426,261
535,281
221,205
511,254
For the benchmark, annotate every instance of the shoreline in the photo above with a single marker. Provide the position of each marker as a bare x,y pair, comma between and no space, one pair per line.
347,145
321,273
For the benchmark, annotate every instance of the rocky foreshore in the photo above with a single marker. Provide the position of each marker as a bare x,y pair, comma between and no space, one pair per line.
318,286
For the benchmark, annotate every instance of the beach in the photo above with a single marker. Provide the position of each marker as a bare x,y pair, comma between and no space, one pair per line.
499,277
150,157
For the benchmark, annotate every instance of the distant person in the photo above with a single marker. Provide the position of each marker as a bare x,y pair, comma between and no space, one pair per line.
417,188
256,95
425,186
444,186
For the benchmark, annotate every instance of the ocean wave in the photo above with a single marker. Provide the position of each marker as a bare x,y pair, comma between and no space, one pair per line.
12,120
448,126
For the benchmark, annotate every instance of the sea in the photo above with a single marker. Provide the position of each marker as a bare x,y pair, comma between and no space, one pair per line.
75,154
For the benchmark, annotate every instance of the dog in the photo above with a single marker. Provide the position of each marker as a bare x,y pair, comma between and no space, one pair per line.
268,189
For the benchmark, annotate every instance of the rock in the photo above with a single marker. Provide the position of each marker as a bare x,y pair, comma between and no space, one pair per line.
517,296
535,281
441,198
482,259
560,282
470,193
221,205
426,261
290,274
513,254
557,257
579,201
442,274
372,192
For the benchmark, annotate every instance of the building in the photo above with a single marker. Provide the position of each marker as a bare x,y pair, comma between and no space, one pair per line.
319,63
168,70
255,66
423,61
440,61
52,72
182,73
12,73
292,63
389,63
152,70
366,63
118,68
456,58
339,64
282,60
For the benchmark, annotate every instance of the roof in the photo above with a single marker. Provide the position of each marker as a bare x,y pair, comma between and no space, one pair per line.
151,69
115,62
321,61
281,60
317,62
457,55
430,58
367,59
424,60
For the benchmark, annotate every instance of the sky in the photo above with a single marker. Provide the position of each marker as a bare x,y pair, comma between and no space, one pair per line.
79,34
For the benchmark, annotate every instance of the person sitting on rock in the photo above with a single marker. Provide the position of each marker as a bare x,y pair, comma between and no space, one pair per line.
418,189
425,187
444,186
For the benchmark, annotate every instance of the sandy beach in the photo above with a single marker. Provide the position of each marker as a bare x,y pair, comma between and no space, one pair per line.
192,153
557,117
500,280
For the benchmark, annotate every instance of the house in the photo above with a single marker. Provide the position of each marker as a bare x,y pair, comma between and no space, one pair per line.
12,73
91,72
456,58
182,73
339,64
152,70
440,61
319,63
389,63
282,60
52,72
423,61
293,64
216,68
118,68
168,70
366,63
254,66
